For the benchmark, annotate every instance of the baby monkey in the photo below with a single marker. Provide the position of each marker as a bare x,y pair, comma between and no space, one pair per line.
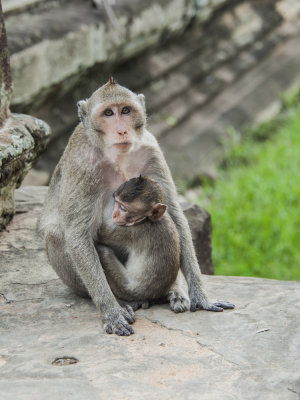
137,200
151,244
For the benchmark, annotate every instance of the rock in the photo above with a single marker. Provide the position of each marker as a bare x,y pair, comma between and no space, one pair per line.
53,344
22,139
200,225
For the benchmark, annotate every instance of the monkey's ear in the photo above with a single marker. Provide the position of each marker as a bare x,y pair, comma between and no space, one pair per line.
141,98
82,111
157,211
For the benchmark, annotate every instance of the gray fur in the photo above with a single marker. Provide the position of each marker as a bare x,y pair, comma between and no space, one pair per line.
152,250
79,205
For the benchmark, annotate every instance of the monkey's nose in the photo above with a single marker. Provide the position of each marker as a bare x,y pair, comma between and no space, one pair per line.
122,133
115,214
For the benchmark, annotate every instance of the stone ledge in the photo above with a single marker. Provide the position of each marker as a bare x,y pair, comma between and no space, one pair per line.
247,353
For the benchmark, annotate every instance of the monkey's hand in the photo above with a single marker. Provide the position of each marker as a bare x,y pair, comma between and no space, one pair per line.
116,321
200,302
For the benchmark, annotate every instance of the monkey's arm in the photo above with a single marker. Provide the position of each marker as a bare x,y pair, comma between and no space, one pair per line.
85,257
77,213
116,274
135,282
188,260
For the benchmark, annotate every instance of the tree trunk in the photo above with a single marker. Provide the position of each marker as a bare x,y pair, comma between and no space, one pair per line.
5,73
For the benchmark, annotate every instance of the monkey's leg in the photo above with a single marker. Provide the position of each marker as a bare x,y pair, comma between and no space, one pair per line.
178,294
62,263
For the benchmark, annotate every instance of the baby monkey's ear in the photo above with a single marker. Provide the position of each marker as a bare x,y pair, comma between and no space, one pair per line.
82,111
157,211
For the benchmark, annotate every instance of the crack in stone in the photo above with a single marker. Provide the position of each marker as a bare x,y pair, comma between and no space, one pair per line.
39,299
34,284
182,331
194,336
168,328
5,298
293,391
208,347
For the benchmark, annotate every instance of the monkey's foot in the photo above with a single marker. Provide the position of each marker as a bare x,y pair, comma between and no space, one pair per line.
179,302
144,304
117,321
219,305
136,304
200,302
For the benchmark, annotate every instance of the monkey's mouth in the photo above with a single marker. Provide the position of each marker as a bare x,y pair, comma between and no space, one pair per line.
137,221
122,147
122,144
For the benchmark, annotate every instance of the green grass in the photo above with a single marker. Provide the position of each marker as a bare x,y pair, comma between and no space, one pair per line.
255,205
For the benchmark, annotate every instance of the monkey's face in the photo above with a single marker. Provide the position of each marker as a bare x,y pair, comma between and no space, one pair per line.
119,124
128,214
132,213
114,117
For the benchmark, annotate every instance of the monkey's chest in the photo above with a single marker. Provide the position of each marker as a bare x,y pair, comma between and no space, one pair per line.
124,168
108,231
113,177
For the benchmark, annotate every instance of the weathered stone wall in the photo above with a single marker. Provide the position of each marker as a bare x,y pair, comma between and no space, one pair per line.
203,66
65,38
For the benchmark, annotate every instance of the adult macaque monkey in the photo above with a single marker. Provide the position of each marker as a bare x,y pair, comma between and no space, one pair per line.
109,146
151,243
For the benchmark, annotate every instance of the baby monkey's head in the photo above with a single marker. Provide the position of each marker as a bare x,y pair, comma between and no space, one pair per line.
138,199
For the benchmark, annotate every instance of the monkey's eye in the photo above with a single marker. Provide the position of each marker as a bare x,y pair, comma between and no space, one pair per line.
125,110
122,208
108,112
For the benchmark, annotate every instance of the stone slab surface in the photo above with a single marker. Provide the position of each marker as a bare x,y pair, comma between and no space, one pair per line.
200,355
